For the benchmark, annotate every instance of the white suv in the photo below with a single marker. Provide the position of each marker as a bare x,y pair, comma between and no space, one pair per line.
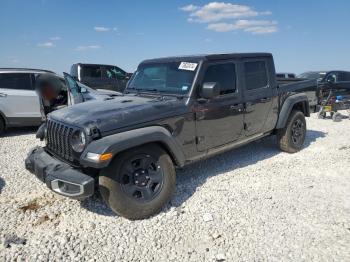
19,103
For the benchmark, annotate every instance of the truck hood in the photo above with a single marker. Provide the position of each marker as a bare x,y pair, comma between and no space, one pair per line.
119,112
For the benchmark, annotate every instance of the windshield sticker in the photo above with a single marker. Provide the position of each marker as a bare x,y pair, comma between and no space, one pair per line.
184,88
188,66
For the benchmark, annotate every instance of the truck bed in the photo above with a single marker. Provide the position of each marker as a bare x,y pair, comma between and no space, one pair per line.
309,87
299,85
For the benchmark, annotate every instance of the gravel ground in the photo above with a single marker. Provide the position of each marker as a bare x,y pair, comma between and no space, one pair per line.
253,203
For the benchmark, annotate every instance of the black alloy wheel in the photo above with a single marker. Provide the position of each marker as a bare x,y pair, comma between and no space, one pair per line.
298,132
142,178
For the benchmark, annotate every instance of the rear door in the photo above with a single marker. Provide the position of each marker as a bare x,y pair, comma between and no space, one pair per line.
18,99
258,95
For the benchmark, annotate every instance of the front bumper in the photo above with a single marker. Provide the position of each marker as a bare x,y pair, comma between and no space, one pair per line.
59,176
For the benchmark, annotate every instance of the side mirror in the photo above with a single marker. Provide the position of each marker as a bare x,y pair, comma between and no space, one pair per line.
83,90
210,90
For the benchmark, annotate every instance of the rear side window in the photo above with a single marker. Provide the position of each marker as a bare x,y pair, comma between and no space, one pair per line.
291,76
281,75
92,71
255,75
344,77
16,81
224,74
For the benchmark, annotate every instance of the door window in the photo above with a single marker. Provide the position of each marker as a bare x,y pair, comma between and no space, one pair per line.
344,77
115,73
255,75
20,81
92,71
224,75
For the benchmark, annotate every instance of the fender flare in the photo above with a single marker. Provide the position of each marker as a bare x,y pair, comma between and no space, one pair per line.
122,141
287,108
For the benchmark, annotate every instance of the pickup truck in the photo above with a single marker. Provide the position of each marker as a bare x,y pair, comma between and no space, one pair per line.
99,76
174,111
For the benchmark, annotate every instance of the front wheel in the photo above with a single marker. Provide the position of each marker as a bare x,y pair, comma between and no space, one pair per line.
139,182
291,138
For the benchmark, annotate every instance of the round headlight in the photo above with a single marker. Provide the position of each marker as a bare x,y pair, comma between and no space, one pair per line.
78,141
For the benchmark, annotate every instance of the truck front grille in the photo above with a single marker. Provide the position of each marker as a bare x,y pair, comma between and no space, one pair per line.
59,140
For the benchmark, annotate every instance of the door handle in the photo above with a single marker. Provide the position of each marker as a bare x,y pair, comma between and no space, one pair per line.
3,95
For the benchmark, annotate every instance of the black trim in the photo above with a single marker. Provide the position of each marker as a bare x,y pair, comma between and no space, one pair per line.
23,121
288,106
48,169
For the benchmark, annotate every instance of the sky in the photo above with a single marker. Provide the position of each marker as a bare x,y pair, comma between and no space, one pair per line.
51,34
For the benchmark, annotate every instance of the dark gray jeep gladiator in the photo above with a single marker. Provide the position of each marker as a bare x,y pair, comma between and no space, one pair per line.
174,111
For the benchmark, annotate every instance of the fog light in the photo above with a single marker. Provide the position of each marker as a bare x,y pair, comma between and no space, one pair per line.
67,188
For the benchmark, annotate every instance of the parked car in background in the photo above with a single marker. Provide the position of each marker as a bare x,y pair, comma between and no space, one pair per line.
19,101
334,94
99,76
322,78
336,76
318,75
285,75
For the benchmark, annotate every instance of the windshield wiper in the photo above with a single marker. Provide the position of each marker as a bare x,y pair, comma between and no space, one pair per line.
155,91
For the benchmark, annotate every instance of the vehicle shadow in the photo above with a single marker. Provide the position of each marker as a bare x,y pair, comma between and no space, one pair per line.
19,131
95,204
196,174
2,184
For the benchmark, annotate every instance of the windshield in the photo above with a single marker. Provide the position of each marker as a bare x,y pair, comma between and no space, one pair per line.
169,77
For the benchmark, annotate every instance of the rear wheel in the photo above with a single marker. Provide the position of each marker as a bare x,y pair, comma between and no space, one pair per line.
292,137
139,182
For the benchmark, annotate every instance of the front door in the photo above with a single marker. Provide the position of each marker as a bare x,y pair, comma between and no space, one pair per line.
74,93
220,120
257,95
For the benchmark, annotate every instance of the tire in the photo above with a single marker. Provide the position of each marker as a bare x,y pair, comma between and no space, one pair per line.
336,117
139,182
321,115
291,138
2,125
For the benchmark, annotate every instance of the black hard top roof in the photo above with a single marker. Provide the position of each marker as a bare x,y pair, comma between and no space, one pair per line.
208,57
